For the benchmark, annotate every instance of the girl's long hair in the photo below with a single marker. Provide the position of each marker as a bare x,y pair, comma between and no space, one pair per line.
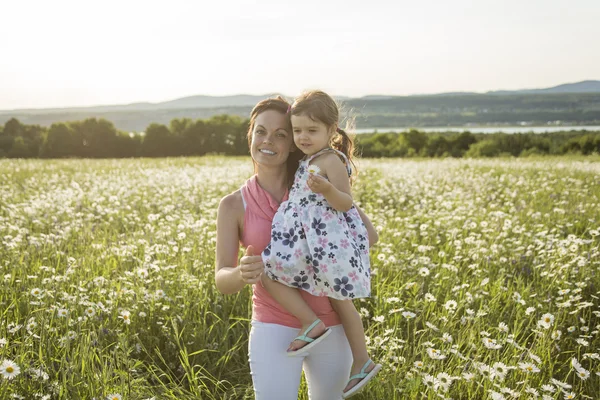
319,106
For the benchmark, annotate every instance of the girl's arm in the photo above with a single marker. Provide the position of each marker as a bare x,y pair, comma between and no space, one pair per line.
337,190
229,276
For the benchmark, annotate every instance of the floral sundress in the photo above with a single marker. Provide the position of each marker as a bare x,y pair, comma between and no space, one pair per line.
315,247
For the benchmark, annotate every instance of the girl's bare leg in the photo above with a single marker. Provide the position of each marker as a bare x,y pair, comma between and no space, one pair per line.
291,300
355,333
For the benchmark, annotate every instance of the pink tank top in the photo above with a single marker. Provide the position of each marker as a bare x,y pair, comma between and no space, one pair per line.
260,208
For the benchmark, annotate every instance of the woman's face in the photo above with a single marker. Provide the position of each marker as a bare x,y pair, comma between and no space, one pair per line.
271,141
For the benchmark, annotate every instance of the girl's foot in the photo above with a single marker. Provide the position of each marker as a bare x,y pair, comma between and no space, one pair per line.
313,333
356,369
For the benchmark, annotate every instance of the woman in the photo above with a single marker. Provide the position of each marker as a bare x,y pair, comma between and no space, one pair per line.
245,217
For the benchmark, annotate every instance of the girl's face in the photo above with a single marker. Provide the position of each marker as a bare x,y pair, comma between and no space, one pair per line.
310,136
271,141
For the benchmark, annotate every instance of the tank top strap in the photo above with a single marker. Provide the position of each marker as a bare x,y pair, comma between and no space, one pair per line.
242,194
339,153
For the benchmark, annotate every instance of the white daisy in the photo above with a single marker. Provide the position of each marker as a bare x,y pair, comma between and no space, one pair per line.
8,369
529,310
446,337
491,343
500,370
556,335
443,381
450,305
546,321
313,169
435,354
528,367
124,315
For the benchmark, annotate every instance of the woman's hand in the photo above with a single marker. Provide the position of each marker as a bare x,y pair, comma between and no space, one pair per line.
251,266
318,184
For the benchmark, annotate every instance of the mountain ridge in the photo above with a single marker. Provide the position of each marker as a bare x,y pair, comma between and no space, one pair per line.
247,100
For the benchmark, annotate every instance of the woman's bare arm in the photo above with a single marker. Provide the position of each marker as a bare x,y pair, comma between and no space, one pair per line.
373,235
228,278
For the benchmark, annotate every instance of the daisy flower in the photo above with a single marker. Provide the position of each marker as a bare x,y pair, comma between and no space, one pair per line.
546,321
443,380
556,335
491,343
529,310
450,305
468,376
8,369
528,367
313,169
31,324
435,354
429,297
500,370
124,315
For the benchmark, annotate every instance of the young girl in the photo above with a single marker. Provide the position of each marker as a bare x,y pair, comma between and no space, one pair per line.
318,241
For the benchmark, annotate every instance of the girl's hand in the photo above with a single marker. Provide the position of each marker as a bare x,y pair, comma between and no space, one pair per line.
318,184
251,267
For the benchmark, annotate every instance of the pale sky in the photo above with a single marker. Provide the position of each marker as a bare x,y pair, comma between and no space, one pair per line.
62,53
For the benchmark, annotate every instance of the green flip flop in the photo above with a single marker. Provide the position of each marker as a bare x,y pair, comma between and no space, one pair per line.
312,342
365,378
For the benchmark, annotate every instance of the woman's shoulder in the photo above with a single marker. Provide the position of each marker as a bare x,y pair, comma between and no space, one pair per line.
232,203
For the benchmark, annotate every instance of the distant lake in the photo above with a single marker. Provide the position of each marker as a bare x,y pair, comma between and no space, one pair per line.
486,129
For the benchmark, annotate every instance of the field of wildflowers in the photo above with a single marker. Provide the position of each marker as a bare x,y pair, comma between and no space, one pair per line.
485,279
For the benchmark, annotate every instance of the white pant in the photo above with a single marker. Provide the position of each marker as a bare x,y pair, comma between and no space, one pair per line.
276,376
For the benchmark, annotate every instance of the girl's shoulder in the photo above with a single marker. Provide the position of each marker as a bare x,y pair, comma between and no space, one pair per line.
330,159
325,154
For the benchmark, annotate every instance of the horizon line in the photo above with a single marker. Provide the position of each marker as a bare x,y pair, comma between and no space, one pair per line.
267,95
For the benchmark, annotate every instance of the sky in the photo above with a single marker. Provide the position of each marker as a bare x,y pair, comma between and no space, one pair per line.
65,53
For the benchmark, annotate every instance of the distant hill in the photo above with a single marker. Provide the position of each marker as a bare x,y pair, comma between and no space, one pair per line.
573,103
578,87
244,100
199,101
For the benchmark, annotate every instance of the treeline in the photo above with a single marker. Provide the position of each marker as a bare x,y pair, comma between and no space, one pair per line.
98,138
226,134
414,143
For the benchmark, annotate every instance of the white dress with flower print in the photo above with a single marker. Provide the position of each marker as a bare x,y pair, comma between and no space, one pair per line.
317,248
